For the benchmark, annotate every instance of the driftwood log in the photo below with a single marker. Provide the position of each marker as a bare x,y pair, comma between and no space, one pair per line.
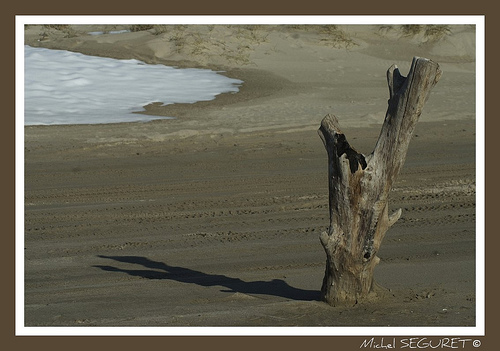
359,186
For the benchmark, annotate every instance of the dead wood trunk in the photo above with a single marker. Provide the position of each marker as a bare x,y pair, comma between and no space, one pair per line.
359,186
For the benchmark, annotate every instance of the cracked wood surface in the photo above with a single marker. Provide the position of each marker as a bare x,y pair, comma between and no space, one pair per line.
359,186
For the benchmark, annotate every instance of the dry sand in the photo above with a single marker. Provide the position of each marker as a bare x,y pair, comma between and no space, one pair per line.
212,219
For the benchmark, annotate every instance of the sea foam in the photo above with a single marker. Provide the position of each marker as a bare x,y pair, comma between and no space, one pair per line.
63,87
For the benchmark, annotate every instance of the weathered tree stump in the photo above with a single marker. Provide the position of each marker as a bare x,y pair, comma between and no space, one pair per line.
359,186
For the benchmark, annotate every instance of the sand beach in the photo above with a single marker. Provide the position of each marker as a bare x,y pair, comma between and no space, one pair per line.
213,218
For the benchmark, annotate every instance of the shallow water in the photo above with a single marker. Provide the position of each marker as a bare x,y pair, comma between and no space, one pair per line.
110,32
63,87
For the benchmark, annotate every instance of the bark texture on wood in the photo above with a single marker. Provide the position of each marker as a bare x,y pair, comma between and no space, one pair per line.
359,186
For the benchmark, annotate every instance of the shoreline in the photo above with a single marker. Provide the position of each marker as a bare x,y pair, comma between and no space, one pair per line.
317,81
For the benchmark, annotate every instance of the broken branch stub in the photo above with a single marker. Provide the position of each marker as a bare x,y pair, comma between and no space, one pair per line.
359,186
